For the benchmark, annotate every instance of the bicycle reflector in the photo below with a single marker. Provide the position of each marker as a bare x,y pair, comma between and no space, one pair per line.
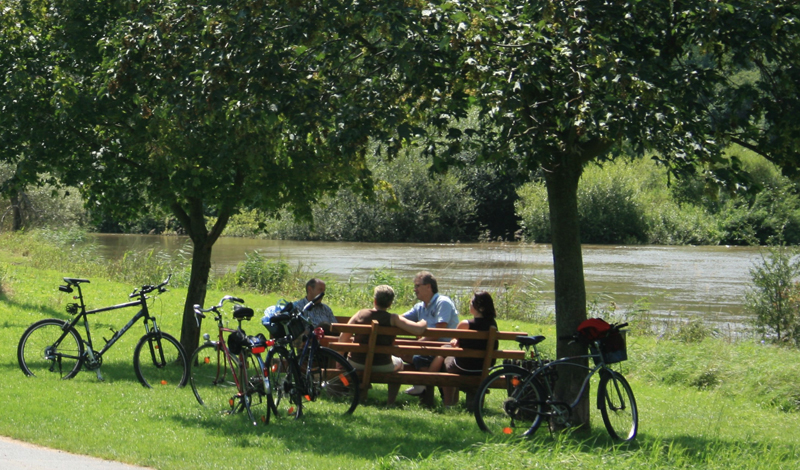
319,332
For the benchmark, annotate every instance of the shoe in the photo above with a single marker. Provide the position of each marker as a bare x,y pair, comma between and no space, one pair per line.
415,391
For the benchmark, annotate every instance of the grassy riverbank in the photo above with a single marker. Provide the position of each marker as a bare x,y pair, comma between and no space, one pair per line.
703,403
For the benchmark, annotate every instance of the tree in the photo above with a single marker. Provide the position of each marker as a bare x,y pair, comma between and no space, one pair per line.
560,84
212,106
29,132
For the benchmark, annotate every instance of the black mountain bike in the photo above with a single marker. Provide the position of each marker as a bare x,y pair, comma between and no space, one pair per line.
53,348
314,374
517,398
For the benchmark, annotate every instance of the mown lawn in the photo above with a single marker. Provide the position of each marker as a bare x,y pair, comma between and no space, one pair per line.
708,404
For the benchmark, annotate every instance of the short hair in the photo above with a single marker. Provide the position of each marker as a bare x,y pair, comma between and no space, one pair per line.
483,303
427,278
384,296
313,283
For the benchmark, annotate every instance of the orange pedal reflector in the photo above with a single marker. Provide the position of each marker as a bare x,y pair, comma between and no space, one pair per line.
207,360
290,411
345,382
515,381
163,382
307,397
508,431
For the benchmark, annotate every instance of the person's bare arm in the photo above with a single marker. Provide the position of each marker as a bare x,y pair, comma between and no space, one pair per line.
462,325
434,338
347,337
415,328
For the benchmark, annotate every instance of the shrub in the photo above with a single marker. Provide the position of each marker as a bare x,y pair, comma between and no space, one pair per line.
774,297
260,274
610,205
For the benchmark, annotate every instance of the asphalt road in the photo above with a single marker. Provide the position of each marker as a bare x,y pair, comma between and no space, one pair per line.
19,455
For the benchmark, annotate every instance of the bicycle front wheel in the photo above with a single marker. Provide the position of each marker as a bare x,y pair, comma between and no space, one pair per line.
285,389
47,351
255,396
506,404
618,406
159,359
334,382
211,378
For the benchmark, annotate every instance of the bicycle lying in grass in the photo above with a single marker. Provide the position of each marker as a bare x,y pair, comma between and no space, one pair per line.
54,349
518,398
315,374
230,372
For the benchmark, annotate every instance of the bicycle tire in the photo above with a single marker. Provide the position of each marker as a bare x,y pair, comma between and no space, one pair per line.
617,406
159,360
39,355
255,394
506,403
210,376
285,387
334,382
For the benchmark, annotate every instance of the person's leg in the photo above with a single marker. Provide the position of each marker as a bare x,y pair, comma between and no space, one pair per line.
450,394
422,364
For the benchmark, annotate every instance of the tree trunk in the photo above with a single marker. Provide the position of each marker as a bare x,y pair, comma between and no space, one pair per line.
570,290
16,211
194,222
198,285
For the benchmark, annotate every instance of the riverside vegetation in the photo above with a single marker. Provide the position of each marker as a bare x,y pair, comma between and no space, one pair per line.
626,201
704,401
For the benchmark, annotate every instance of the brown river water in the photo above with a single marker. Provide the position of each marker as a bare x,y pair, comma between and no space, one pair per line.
677,281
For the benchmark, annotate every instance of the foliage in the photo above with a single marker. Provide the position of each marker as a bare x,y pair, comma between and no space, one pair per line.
630,202
260,275
408,204
774,297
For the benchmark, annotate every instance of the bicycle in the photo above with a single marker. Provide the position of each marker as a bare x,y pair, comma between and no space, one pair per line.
316,373
527,389
53,348
230,371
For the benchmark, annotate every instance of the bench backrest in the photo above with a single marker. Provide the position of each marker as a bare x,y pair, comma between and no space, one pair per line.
406,344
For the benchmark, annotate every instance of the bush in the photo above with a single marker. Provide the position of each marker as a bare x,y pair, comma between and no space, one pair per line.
610,205
260,274
774,297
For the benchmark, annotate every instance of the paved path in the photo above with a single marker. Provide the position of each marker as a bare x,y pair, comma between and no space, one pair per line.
19,455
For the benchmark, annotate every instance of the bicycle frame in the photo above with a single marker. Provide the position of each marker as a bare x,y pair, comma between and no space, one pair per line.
568,361
222,349
93,355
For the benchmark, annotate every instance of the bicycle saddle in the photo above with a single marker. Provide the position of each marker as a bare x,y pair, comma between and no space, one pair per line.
74,280
242,313
530,340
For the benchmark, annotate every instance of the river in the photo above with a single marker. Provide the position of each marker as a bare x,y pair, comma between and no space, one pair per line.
677,281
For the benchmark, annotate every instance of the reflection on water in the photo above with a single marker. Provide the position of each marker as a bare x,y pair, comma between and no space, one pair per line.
686,281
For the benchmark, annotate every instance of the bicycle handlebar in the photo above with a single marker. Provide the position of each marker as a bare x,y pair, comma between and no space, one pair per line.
146,289
199,312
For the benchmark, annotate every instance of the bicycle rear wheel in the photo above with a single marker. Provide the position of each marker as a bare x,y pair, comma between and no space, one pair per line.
211,378
285,389
42,354
618,406
159,359
334,382
506,404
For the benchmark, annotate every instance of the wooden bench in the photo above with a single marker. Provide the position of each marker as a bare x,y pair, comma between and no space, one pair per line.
406,345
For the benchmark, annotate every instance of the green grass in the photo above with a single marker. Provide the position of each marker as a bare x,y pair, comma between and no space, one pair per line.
707,404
